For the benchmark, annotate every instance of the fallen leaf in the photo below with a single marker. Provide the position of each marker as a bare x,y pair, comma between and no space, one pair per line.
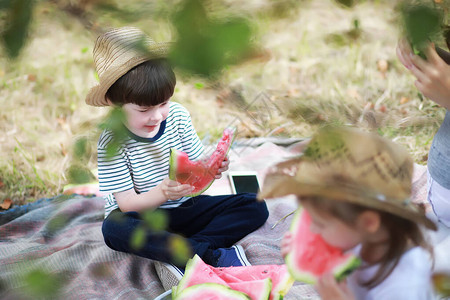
382,65
382,108
6,204
31,77
404,100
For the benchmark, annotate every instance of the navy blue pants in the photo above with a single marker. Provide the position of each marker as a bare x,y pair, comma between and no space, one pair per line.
207,222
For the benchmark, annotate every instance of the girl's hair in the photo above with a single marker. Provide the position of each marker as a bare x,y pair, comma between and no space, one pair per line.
148,84
400,231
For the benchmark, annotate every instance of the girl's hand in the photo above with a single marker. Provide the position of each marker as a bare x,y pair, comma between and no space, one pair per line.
286,244
330,289
433,74
223,167
173,190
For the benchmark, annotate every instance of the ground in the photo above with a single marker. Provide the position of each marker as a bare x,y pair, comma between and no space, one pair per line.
322,63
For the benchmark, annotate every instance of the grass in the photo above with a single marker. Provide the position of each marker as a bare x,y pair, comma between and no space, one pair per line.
327,64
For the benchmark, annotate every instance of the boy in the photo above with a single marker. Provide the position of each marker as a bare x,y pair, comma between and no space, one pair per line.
135,176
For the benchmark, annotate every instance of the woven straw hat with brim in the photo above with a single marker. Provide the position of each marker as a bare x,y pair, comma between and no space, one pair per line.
118,51
349,165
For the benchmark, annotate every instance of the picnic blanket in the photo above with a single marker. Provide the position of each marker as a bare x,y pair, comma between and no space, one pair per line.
59,240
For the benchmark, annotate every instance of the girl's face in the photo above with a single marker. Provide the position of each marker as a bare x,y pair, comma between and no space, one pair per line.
334,231
145,121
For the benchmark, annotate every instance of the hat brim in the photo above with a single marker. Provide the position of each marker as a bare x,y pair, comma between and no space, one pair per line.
97,94
280,185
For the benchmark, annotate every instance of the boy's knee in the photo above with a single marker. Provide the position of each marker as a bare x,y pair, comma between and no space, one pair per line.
259,207
264,211
106,231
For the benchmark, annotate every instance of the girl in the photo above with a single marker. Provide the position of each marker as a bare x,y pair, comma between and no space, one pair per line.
356,188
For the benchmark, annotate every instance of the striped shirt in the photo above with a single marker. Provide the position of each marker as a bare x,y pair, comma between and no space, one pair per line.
142,163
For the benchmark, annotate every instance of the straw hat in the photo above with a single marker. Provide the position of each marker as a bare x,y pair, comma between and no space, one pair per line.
349,165
115,53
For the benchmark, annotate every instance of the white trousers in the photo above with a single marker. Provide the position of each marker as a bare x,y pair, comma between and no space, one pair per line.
439,197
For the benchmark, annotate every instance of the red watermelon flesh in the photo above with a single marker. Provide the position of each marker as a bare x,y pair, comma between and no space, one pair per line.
255,289
281,279
199,174
252,280
197,272
311,257
210,291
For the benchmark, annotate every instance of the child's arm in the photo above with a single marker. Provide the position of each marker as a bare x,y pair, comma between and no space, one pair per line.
168,189
329,289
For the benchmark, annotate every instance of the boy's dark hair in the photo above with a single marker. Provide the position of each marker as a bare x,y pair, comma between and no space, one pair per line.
148,84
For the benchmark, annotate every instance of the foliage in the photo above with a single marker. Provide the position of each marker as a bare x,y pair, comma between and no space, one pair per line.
205,45
423,22
16,24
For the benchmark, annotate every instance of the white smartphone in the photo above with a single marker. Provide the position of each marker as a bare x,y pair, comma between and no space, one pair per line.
244,182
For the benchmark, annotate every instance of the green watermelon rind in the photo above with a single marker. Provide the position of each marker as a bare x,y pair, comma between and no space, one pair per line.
267,288
173,163
222,289
341,271
283,287
190,268
265,292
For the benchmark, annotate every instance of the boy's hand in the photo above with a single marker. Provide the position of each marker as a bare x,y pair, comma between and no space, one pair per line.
286,244
329,288
173,190
223,167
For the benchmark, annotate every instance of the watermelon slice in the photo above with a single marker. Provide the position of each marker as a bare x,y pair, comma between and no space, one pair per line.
197,272
259,282
311,256
199,174
281,279
255,289
210,291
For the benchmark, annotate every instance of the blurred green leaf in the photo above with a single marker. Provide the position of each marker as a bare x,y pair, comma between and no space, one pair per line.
199,85
138,238
102,271
180,249
422,23
4,4
156,220
204,45
77,174
41,284
56,223
281,9
114,122
17,24
346,3
80,148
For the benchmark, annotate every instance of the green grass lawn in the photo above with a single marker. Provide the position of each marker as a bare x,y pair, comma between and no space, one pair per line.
325,64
